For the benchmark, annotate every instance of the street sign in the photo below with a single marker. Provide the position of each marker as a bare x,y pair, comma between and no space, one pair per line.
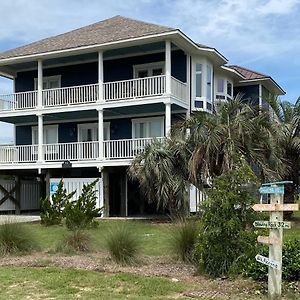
272,190
269,262
272,224
276,207
269,240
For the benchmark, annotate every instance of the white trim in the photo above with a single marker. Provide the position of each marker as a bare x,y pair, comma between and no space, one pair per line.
149,67
92,125
146,120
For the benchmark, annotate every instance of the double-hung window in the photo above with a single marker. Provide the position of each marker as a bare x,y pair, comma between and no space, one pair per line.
50,135
198,102
50,82
148,127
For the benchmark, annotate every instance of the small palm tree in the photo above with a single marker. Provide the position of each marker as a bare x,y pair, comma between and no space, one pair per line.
162,172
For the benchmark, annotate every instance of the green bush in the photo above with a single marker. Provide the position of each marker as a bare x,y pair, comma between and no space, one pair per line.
15,238
183,239
81,214
75,241
123,245
52,211
290,262
224,237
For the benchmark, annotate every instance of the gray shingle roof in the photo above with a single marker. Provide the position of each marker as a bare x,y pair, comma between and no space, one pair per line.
110,30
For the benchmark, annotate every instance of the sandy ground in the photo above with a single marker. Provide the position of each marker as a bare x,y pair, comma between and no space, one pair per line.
19,218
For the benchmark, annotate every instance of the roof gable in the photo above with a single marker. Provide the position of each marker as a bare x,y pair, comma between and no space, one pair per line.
110,30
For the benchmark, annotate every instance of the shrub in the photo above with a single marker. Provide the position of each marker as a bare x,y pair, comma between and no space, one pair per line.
15,238
290,262
75,241
52,211
223,237
81,213
183,239
123,245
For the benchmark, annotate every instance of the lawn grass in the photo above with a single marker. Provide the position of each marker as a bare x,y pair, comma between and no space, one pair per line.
56,283
294,232
154,237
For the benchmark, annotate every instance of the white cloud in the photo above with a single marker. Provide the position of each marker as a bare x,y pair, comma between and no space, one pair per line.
278,7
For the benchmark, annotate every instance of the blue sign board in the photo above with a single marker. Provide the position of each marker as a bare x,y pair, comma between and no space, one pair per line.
53,187
272,190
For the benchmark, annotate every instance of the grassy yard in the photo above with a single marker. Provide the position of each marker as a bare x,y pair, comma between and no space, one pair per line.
46,280
154,237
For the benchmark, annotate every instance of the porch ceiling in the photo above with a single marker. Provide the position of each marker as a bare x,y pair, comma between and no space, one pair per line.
12,69
118,112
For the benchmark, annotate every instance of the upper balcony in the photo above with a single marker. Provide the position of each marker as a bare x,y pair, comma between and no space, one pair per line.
134,89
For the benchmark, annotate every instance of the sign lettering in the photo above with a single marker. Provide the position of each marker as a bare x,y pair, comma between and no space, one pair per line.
272,190
272,224
269,262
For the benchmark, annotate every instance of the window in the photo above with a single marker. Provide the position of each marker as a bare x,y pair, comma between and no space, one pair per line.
229,88
148,70
199,104
208,82
148,127
220,85
198,80
50,135
89,132
51,82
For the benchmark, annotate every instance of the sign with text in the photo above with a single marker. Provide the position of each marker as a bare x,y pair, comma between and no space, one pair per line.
272,190
269,240
272,224
267,261
276,207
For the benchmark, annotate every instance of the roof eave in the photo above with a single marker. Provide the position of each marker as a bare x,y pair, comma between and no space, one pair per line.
272,81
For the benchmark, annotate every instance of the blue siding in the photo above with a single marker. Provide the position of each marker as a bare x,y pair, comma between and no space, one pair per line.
250,93
119,69
67,133
120,129
23,135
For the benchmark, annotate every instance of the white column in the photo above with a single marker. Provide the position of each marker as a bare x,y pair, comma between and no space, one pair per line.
40,138
168,67
188,80
100,133
168,118
100,76
40,84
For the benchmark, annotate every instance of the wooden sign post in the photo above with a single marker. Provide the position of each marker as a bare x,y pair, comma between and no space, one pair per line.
274,240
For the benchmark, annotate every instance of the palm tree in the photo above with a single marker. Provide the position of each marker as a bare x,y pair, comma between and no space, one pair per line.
286,123
162,175
237,133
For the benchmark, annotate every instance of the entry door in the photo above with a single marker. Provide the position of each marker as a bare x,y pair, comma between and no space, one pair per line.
87,133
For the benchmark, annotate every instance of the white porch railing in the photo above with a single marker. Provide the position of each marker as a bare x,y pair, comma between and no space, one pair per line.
16,101
80,151
112,91
129,148
71,151
135,88
71,95
18,154
179,89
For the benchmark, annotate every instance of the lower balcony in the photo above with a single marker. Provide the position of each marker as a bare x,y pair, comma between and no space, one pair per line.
125,149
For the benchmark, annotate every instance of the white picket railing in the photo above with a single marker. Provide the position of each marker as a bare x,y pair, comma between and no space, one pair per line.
112,91
71,95
16,101
179,89
135,88
129,148
71,151
18,154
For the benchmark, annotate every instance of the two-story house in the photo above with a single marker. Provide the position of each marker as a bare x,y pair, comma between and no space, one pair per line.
87,101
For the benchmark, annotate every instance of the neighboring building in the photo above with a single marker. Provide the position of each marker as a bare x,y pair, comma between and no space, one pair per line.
87,101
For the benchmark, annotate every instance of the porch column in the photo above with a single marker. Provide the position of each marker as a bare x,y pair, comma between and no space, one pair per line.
100,133
40,138
168,66
168,118
188,80
40,84
100,76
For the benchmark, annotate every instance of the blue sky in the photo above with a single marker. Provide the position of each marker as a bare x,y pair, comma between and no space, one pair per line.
259,34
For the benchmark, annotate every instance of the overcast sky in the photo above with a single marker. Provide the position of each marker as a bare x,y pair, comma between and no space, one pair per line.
263,35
